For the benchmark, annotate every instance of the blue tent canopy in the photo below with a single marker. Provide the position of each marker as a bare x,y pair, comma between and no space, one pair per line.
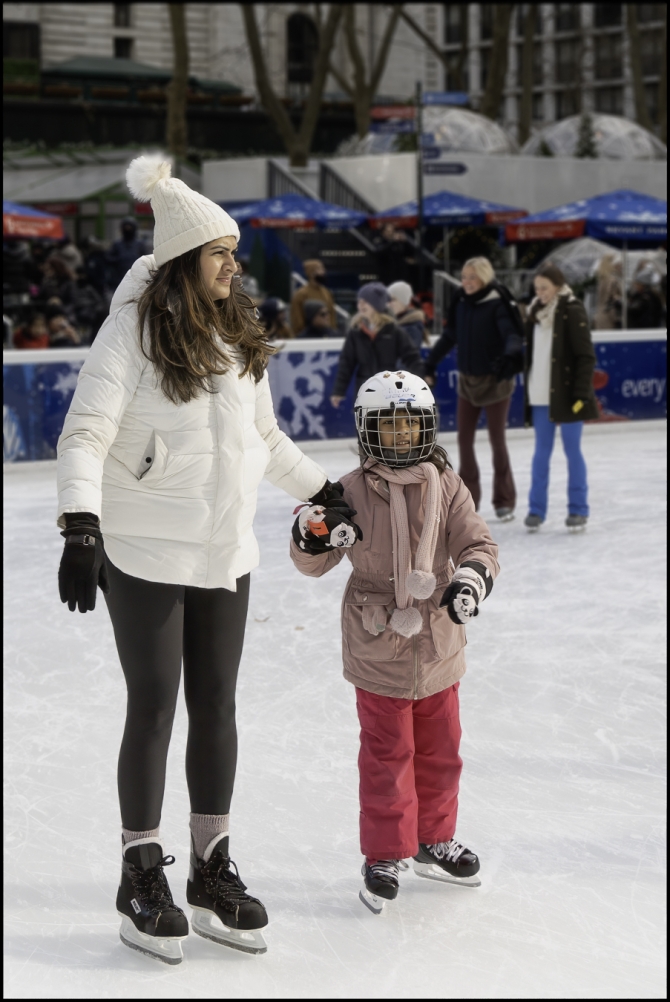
296,210
618,217
446,208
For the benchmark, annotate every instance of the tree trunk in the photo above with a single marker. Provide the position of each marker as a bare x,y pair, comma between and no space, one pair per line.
493,95
526,109
641,109
297,143
463,51
362,90
663,83
177,129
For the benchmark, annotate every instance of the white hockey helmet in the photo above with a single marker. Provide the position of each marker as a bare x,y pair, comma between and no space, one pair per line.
396,394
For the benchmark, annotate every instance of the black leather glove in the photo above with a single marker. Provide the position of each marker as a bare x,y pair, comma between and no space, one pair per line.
82,566
469,586
326,526
508,366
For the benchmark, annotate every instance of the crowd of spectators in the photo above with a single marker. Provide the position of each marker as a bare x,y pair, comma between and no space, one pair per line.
57,294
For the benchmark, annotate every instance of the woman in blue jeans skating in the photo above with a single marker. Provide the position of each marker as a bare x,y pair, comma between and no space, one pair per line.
559,390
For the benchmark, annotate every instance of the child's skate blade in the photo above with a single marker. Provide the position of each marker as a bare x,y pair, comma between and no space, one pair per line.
402,864
209,926
165,948
434,872
576,528
371,901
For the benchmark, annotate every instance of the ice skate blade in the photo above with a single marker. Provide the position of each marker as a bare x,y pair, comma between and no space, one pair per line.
209,926
574,529
506,518
164,948
434,872
371,901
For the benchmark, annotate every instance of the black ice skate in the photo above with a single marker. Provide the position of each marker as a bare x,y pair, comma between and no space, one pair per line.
381,884
576,523
222,911
449,862
150,920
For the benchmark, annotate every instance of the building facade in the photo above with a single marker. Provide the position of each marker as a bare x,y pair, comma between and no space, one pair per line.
581,51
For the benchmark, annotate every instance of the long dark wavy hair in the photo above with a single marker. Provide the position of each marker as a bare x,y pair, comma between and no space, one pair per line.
179,323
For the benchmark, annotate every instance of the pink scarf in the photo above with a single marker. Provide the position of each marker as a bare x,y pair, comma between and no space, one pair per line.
419,583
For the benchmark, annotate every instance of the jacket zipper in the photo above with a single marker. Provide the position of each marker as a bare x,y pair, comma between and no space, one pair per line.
415,661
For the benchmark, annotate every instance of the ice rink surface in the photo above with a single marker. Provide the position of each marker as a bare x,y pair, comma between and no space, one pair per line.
563,783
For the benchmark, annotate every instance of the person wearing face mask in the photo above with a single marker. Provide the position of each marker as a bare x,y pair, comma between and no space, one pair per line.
374,342
170,431
124,252
560,360
486,326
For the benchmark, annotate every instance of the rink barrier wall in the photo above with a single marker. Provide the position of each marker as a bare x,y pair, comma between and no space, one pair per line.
630,382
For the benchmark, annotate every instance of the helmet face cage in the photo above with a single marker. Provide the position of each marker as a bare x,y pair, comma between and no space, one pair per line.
369,436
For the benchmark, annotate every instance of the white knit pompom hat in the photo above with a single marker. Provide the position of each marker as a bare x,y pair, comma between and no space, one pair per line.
184,218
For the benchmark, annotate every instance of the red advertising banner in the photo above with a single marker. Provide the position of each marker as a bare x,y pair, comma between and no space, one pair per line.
553,229
283,224
32,226
384,111
498,218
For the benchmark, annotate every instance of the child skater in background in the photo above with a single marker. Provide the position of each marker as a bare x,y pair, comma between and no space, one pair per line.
423,563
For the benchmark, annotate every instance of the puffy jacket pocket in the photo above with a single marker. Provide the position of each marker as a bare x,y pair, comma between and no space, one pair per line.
154,461
364,626
448,638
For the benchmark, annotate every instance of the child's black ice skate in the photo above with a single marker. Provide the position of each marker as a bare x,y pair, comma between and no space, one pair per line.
381,884
222,911
449,862
150,920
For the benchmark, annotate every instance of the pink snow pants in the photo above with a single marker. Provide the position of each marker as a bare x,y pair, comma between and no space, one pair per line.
409,771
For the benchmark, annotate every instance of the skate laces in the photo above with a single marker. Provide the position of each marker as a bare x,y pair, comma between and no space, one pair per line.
450,851
152,887
223,885
386,870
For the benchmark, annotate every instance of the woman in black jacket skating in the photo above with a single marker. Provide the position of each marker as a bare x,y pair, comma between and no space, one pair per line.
485,324
375,342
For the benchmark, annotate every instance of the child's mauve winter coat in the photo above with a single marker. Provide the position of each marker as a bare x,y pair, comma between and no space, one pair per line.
384,662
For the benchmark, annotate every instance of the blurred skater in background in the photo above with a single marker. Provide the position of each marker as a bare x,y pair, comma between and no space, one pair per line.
314,289
272,313
408,316
317,320
375,342
560,360
486,325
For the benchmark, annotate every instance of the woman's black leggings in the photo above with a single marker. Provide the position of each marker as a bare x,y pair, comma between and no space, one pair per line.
154,626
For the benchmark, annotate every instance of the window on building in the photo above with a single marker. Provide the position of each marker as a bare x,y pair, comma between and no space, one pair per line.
538,65
521,12
455,26
538,107
122,15
649,12
651,95
609,100
486,21
568,58
609,57
20,40
606,15
123,48
454,79
567,17
651,53
302,43
567,103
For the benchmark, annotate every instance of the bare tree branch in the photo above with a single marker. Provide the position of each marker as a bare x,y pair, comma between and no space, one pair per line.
526,109
340,79
493,94
382,55
424,36
297,142
177,129
641,109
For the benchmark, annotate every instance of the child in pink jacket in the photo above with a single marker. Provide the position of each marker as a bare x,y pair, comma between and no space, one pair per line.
423,561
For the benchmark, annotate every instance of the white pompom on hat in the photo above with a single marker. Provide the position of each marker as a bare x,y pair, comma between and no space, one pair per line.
184,218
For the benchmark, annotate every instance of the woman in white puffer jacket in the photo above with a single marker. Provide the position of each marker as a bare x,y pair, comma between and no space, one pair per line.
166,440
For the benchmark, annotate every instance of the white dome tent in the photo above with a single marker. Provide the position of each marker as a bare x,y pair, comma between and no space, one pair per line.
614,138
454,129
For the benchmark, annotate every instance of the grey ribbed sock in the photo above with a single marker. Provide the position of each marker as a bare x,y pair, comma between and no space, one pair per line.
205,828
128,836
